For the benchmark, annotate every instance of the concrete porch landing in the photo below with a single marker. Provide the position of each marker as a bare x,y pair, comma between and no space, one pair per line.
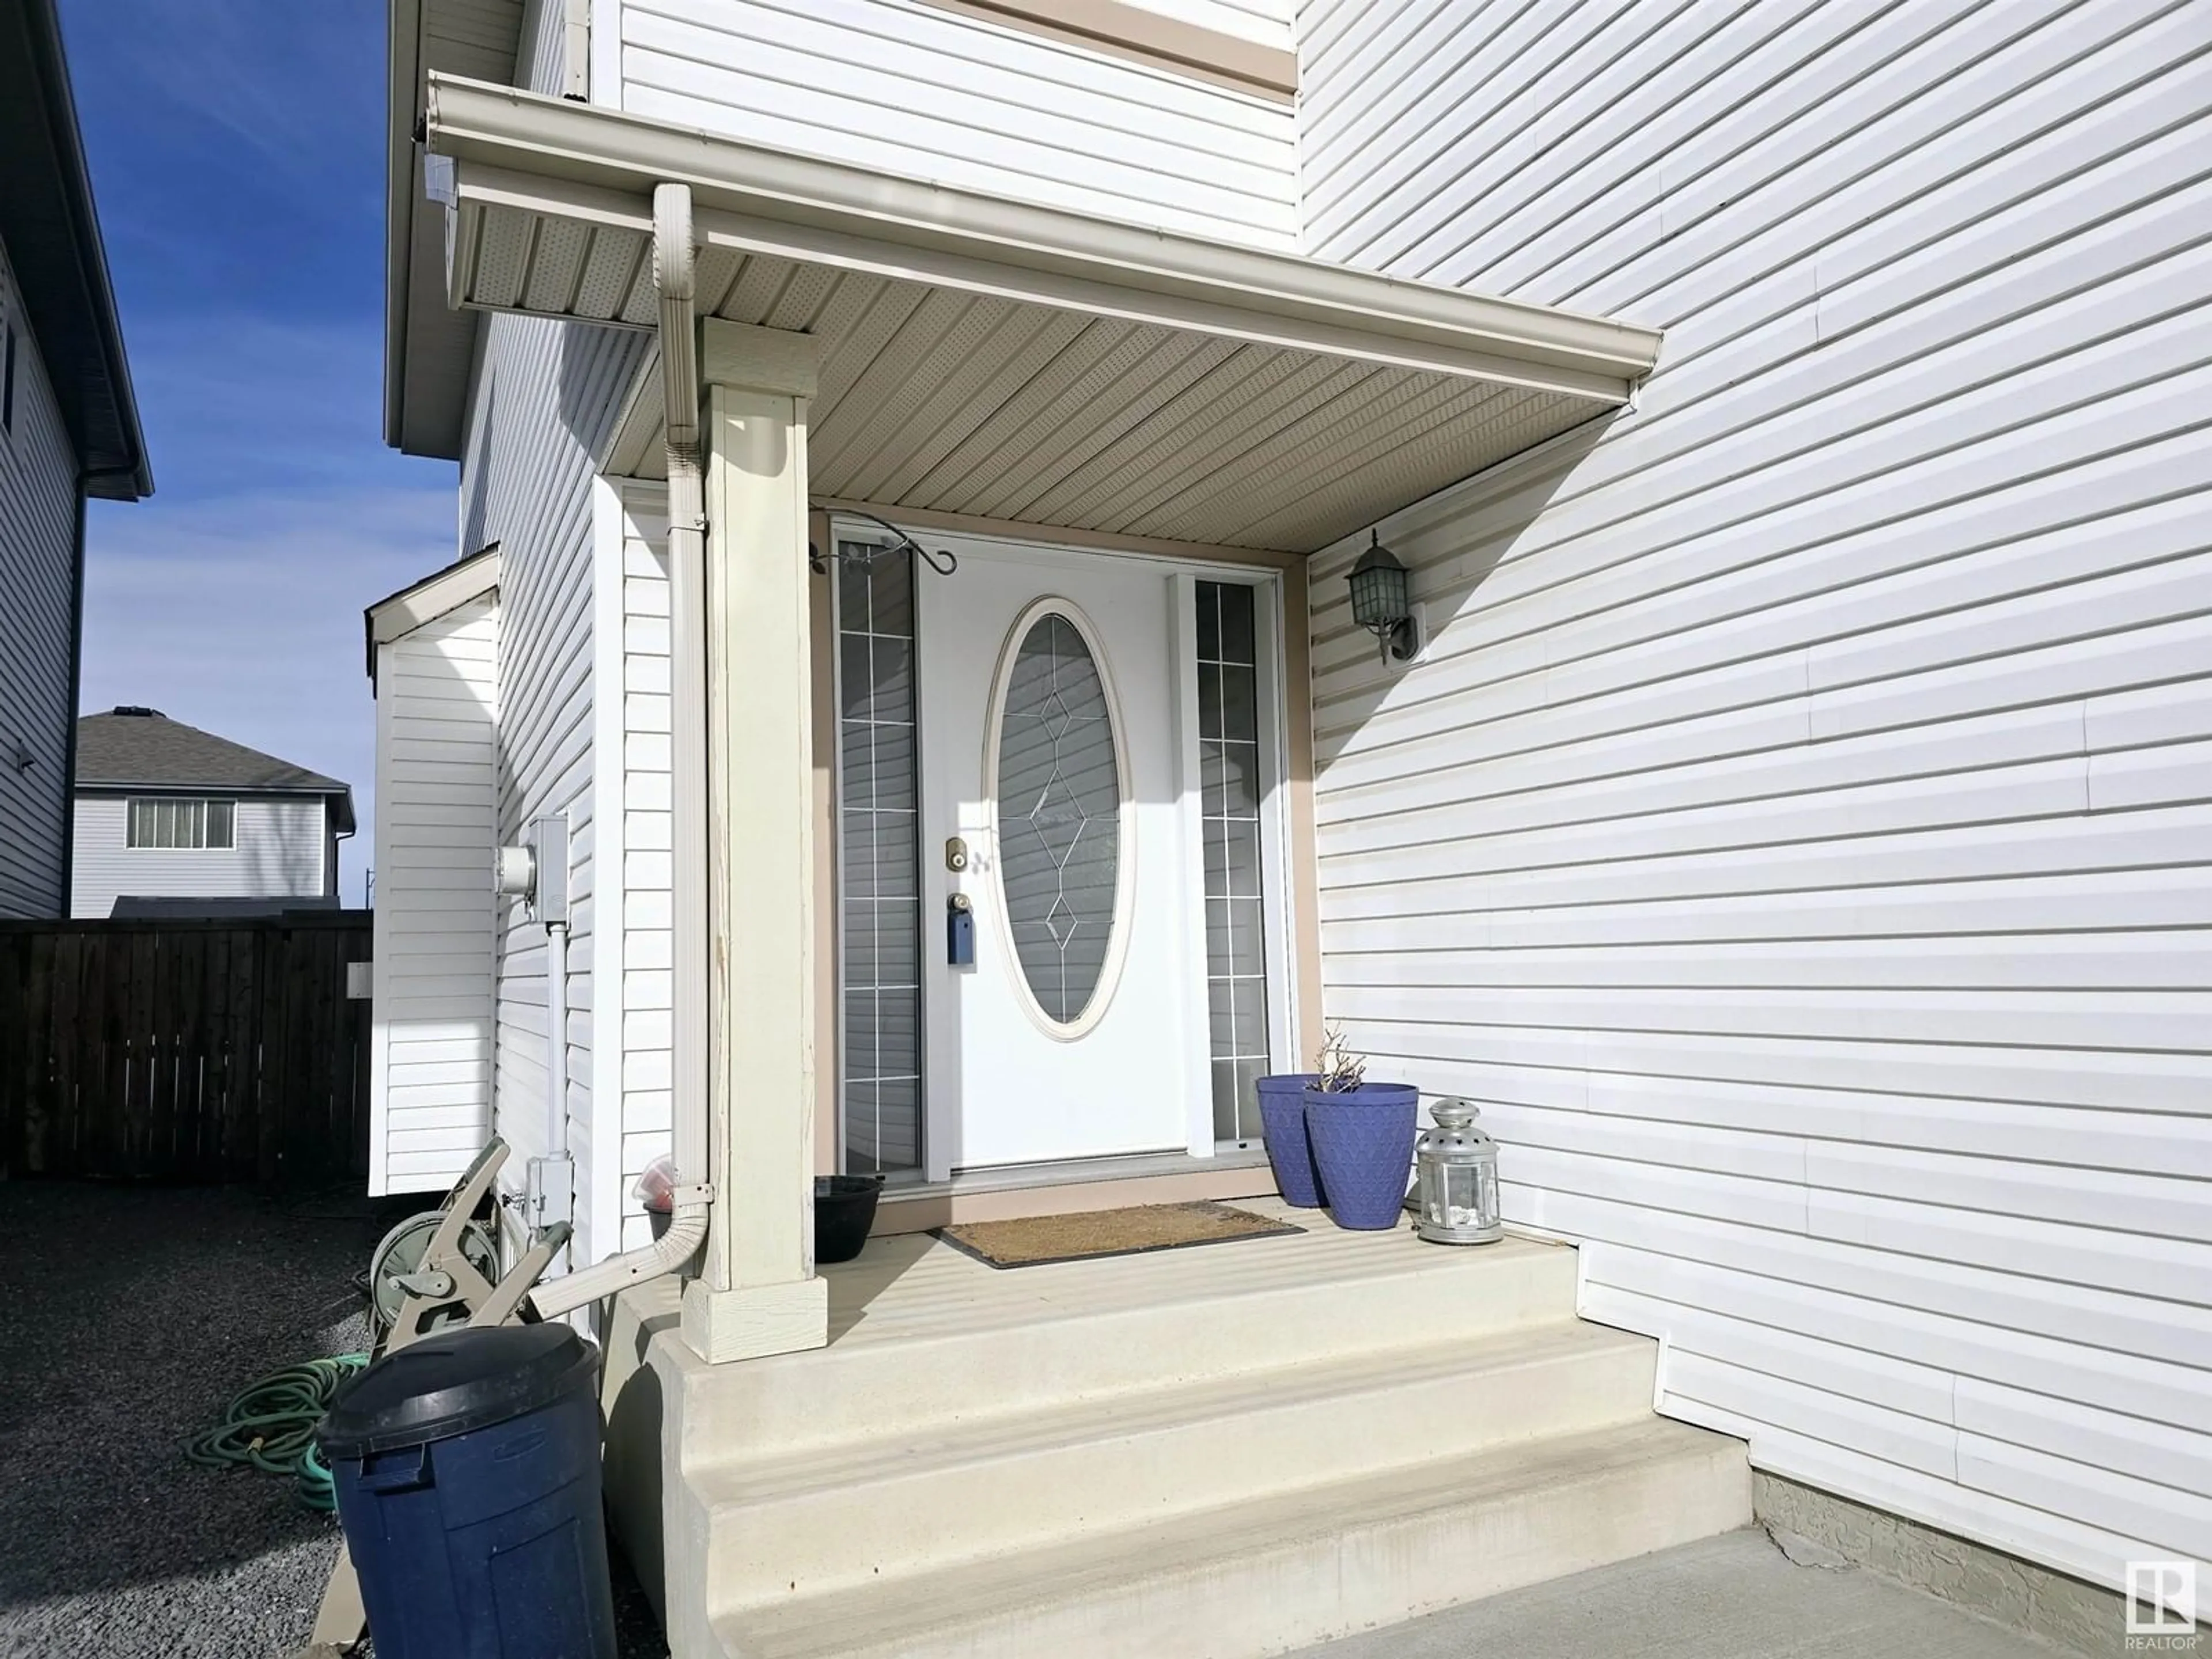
1734,1596
1239,1449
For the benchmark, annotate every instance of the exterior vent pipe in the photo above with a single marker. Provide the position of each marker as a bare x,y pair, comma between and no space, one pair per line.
674,266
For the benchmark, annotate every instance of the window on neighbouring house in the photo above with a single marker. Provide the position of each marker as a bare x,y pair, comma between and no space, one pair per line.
187,824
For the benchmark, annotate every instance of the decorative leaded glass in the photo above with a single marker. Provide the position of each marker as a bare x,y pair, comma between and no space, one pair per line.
1059,817
880,1078
1230,794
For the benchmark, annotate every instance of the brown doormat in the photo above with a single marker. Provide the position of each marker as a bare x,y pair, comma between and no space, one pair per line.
1033,1241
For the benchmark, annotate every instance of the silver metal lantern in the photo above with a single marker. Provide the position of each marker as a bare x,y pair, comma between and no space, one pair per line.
1458,1178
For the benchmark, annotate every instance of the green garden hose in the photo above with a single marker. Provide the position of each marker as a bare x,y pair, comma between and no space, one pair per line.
270,1425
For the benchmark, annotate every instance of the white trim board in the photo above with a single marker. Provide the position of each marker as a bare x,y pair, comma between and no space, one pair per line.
400,614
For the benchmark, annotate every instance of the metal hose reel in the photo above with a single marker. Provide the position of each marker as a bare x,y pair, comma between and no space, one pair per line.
397,1271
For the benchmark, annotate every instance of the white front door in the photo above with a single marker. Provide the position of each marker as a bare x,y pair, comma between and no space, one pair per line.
1051,770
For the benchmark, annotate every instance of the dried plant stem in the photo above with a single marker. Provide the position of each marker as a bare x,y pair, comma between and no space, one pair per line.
1341,1069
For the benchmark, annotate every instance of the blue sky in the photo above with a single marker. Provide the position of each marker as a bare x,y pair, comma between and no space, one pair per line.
236,150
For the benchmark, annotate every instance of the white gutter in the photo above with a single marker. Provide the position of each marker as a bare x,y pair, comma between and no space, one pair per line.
404,52
675,262
599,166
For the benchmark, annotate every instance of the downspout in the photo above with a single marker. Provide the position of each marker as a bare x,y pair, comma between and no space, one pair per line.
556,1166
557,1040
76,706
337,887
674,267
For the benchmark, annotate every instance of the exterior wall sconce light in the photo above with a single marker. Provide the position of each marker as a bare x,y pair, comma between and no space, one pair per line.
1383,601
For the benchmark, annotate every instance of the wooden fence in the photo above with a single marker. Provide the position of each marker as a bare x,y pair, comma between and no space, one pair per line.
174,1050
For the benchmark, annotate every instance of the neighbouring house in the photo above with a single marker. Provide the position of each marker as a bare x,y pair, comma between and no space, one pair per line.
926,446
173,821
68,431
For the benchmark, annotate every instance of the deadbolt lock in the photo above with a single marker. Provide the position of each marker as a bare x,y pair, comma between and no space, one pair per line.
956,854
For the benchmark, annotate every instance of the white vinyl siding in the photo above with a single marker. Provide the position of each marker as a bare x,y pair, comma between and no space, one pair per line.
279,851
541,60
912,90
38,544
475,37
544,394
437,786
1796,833
646,991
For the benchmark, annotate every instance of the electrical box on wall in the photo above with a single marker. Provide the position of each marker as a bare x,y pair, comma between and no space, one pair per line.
549,1195
549,849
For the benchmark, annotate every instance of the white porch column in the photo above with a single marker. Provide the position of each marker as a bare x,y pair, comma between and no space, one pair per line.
758,1293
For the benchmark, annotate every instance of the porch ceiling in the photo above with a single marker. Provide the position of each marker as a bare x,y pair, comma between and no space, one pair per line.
989,358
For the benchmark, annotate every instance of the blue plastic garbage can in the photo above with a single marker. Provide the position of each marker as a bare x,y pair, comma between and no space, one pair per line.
467,1471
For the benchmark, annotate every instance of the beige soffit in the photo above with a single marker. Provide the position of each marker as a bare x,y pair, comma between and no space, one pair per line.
1009,361
1149,37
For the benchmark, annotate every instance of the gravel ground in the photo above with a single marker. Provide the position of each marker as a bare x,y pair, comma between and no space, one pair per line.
129,1315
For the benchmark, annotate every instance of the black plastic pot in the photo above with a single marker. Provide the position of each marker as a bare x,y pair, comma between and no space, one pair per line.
844,1210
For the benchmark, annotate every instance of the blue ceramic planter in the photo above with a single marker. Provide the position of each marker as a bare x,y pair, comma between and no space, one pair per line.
1282,1127
1363,1148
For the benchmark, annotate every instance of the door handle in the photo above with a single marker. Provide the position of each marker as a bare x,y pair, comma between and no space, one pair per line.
959,932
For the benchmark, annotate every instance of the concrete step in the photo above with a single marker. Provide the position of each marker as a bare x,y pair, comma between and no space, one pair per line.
916,1502
913,1346
1268,1575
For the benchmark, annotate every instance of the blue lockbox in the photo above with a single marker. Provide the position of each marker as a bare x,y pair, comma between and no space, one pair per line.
467,1473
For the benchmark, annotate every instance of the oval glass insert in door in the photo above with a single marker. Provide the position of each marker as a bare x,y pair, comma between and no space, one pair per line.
1058,783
